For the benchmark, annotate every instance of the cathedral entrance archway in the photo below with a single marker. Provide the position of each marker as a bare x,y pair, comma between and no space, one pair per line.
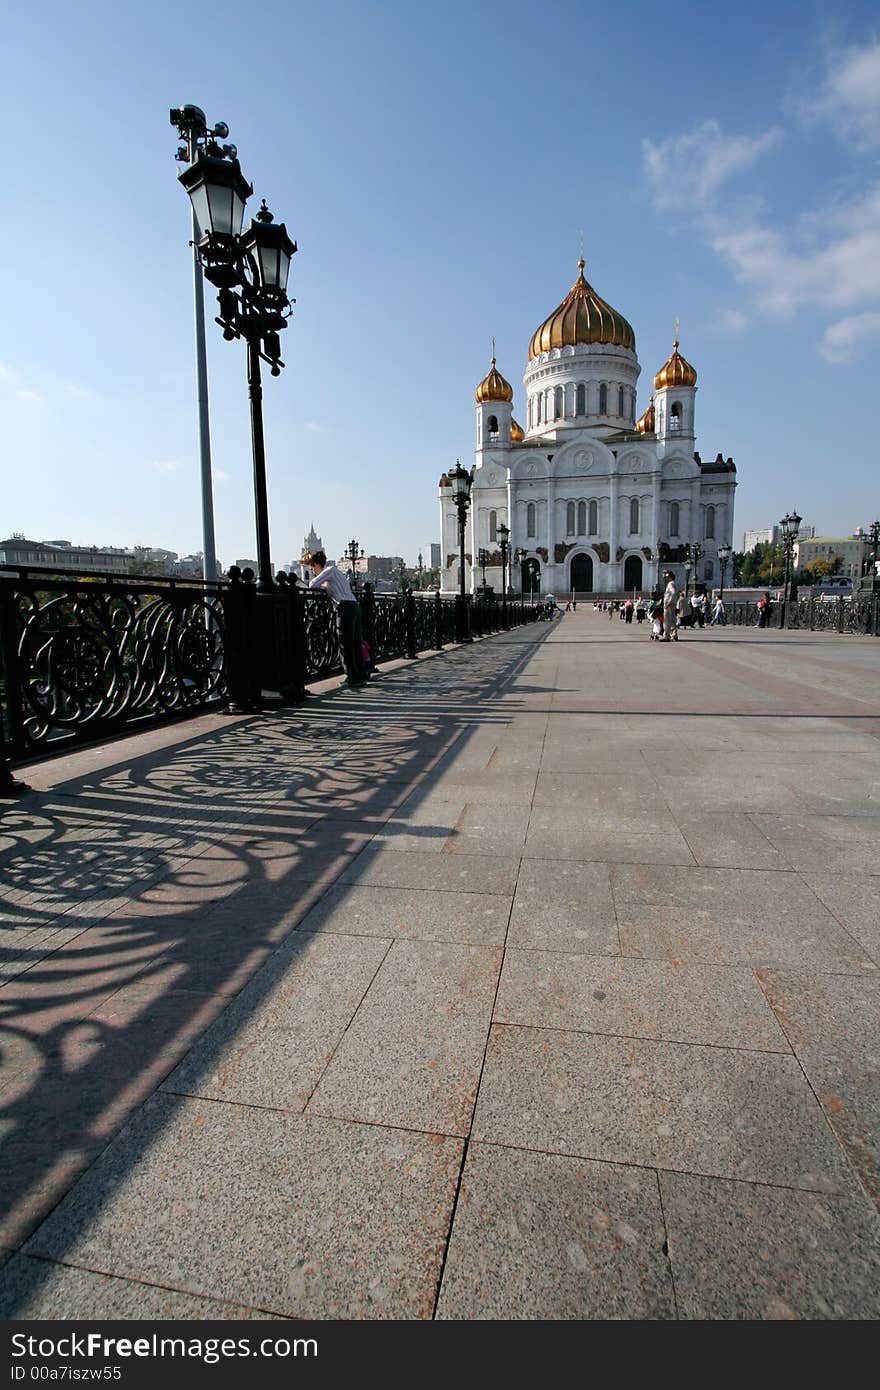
632,573
581,574
531,578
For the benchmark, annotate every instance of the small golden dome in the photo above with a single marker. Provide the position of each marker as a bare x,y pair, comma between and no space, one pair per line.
675,371
582,317
517,434
493,387
646,423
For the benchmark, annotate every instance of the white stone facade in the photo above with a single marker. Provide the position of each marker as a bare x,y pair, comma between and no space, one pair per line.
587,496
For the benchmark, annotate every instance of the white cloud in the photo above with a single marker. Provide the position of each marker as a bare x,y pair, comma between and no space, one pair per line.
848,98
77,393
692,166
166,466
843,338
731,322
24,395
830,258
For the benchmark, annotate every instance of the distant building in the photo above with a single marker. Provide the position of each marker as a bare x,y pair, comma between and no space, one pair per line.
849,550
92,559
383,566
772,535
431,555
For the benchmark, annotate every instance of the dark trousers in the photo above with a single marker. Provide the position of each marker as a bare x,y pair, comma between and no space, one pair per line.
351,638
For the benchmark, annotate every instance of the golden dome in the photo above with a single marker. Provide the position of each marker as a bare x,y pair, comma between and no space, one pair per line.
675,371
646,423
582,317
493,387
517,434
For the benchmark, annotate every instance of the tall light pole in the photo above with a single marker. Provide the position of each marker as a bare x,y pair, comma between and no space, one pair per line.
249,271
503,533
791,525
687,567
724,553
192,127
461,481
353,553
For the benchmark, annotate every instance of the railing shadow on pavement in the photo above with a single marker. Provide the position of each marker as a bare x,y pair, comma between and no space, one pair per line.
143,898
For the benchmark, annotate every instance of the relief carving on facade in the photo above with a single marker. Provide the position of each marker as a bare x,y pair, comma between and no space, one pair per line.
561,551
620,553
542,551
603,551
647,552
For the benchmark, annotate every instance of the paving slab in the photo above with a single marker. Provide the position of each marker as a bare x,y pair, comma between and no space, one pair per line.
708,1110
746,1252
730,916
542,1236
831,1022
416,914
855,902
298,1216
721,1006
384,866
610,836
562,905
826,844
412,1054
271,1046
45,1290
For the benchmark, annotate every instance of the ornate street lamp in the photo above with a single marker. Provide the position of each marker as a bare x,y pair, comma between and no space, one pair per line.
191,125
724,554
695,554
461,481
688,566
791,525
352,555
250,272
503,533
871,541
421,568
483,559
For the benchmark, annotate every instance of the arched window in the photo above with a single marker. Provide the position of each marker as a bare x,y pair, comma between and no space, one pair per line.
558,404
675,417
673,518
531,529
634,516
710,523
581,406
493,526
569,519
492,427
594,518
620,401
539,409
603,399
582,519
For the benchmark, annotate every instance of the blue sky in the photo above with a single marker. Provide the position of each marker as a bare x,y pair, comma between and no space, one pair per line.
436,167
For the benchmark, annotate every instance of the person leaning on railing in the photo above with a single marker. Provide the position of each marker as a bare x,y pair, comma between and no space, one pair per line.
348,616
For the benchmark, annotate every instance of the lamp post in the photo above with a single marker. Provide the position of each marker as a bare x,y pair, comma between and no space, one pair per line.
401,576
461,481
191,125
871,540
352,555
421,571
695,555
724,553
483,559
503,533
659,553
790,527
249,271
688,566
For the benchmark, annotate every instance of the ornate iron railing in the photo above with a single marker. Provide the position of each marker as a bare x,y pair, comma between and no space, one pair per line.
847,615
86,656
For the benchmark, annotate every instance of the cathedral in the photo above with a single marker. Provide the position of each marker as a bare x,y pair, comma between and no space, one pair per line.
597,500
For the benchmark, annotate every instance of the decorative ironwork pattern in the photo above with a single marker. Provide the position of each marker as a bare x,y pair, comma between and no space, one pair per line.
323,652
425,623
389,627
82,658
854,616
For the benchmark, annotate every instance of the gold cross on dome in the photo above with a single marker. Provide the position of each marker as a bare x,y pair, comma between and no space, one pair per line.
493,349
675,328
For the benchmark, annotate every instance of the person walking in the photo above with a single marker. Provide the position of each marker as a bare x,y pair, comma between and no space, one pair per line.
348,616
763,610
670,596
719,616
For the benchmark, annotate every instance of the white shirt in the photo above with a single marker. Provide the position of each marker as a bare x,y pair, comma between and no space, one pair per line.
336,584
668,597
